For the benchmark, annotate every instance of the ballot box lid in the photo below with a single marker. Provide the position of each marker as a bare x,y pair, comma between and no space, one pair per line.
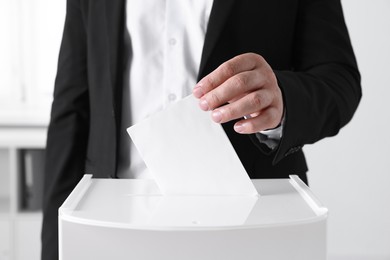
139,204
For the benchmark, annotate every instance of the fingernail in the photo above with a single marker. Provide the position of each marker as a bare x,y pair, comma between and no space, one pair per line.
217,116
239,128
204,105
197,92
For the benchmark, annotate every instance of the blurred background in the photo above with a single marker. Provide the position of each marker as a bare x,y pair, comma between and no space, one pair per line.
350,173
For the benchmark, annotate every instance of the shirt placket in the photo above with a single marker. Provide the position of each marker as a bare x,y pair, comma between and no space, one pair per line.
173,69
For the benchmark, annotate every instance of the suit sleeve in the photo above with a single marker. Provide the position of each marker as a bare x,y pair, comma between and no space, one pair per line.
322,91
68,129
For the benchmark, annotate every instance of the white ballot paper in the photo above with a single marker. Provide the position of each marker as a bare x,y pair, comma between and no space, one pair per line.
189,154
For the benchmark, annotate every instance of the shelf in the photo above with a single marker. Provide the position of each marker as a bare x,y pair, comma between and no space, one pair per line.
23,137
32,215
4,205
22,115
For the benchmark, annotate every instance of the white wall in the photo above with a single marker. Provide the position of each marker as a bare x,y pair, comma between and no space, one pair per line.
30,33
350,173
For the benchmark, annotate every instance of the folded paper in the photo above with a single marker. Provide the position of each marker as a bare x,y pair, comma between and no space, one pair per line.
189,154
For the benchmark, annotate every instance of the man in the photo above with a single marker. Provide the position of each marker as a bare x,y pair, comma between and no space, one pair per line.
277,74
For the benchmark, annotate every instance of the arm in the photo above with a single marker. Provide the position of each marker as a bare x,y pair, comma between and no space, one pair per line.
323,90
319,93
68,130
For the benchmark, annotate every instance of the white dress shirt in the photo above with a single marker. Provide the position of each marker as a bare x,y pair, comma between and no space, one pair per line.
165,48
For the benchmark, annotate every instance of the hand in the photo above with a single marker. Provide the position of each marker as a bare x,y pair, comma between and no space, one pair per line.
244,86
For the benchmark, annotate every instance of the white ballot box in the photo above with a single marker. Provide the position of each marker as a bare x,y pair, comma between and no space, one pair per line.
131,219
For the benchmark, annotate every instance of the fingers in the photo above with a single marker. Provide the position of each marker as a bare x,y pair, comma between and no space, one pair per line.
254,102
234,66
234,87
263,121
244,85
264,113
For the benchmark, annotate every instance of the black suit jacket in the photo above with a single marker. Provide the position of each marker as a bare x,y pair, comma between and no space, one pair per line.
305,41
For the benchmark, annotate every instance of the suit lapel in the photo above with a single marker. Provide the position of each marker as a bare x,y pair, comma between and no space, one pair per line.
115,21
219,13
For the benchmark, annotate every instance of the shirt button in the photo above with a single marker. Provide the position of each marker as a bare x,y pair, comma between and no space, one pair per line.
172,41
171,97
